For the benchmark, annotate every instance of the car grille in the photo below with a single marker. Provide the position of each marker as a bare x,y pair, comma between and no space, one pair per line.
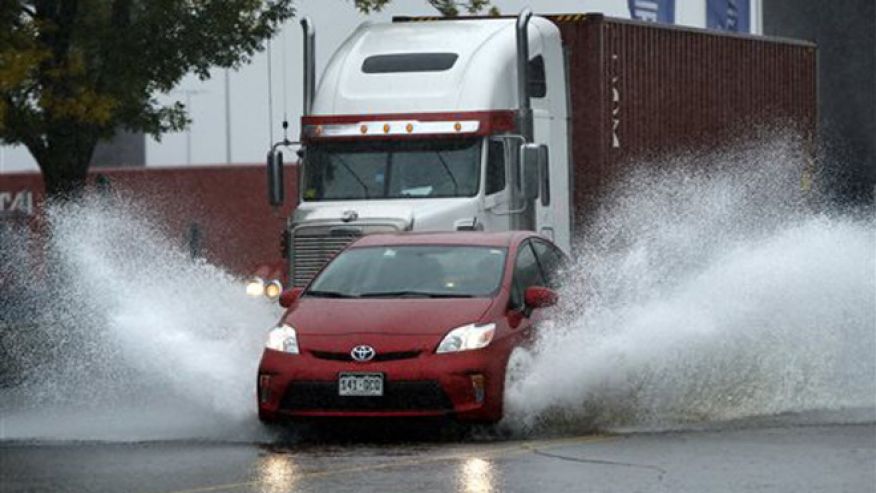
397,396
393,356
313,247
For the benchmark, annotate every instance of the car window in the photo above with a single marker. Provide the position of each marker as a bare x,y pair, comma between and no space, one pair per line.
526,273
552,262
407,270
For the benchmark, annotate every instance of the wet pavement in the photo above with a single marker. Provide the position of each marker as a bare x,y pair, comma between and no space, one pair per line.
772,456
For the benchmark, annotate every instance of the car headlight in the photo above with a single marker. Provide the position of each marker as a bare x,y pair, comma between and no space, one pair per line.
255,287
283,338
466,338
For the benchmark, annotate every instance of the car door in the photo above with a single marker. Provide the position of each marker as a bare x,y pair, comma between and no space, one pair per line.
553,263
527,272
554,266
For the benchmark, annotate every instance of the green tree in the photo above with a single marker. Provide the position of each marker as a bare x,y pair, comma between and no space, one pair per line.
447,8
73,72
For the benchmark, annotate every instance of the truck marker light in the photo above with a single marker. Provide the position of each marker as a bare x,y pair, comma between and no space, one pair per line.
255,287
393,127
273,289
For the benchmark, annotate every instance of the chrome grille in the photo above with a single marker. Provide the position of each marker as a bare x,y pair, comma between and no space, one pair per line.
313,247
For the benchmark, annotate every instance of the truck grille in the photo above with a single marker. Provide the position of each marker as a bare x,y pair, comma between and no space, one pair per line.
313,247
315,244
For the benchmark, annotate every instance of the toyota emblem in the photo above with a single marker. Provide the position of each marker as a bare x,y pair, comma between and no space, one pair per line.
363,353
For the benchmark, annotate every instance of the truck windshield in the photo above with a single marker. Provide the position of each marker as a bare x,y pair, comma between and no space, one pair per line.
392,169
402,271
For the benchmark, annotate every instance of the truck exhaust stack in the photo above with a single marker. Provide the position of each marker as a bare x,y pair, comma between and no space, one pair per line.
309,64
524,110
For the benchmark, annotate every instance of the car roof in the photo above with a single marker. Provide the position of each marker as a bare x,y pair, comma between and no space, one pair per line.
473,238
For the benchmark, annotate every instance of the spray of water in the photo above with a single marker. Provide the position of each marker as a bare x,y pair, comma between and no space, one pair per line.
709,295
133,339
697,296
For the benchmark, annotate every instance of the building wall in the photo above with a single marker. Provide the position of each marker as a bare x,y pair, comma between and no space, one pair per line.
846,36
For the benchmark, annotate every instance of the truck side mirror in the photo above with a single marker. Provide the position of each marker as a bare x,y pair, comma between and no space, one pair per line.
534,162
276,190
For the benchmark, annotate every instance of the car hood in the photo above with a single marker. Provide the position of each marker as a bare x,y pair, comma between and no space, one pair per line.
405,316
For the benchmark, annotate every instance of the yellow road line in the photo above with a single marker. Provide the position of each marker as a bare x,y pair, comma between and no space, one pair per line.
518,448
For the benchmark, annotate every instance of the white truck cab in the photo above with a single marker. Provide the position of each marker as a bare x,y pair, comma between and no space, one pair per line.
420,126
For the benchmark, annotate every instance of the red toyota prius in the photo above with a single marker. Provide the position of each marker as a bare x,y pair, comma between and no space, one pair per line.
409,325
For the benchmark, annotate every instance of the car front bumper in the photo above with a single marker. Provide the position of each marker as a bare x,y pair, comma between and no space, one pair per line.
466,386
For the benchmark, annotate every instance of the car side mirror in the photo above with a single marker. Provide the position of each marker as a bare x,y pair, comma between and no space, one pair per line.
535,158
539,297
289,296
276,189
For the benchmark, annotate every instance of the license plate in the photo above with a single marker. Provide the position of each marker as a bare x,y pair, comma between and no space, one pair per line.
367,384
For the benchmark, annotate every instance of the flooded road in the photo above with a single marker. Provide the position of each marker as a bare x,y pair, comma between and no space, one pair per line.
779,454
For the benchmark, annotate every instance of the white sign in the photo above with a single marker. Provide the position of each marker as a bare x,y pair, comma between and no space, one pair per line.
16,202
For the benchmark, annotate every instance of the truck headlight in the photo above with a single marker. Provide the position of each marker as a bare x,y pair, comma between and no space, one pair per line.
255,287
283,338
466,338
273,289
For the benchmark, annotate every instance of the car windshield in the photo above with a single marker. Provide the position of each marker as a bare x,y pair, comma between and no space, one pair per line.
421,271
392,169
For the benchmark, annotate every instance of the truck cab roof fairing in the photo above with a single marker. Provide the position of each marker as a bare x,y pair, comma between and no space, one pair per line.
483,77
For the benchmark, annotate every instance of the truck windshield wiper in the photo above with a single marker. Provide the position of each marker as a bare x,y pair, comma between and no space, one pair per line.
329,294
355,176
449,173
411,293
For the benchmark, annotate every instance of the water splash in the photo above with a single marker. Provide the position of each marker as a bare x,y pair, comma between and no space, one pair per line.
705,296
697,296
135,339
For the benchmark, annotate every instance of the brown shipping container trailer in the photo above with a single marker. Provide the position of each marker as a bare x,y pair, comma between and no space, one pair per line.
641,90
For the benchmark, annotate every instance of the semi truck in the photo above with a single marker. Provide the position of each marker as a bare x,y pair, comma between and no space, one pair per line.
524,122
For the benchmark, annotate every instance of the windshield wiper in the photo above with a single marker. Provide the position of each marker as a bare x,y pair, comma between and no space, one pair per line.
328,294
449,173
411,293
